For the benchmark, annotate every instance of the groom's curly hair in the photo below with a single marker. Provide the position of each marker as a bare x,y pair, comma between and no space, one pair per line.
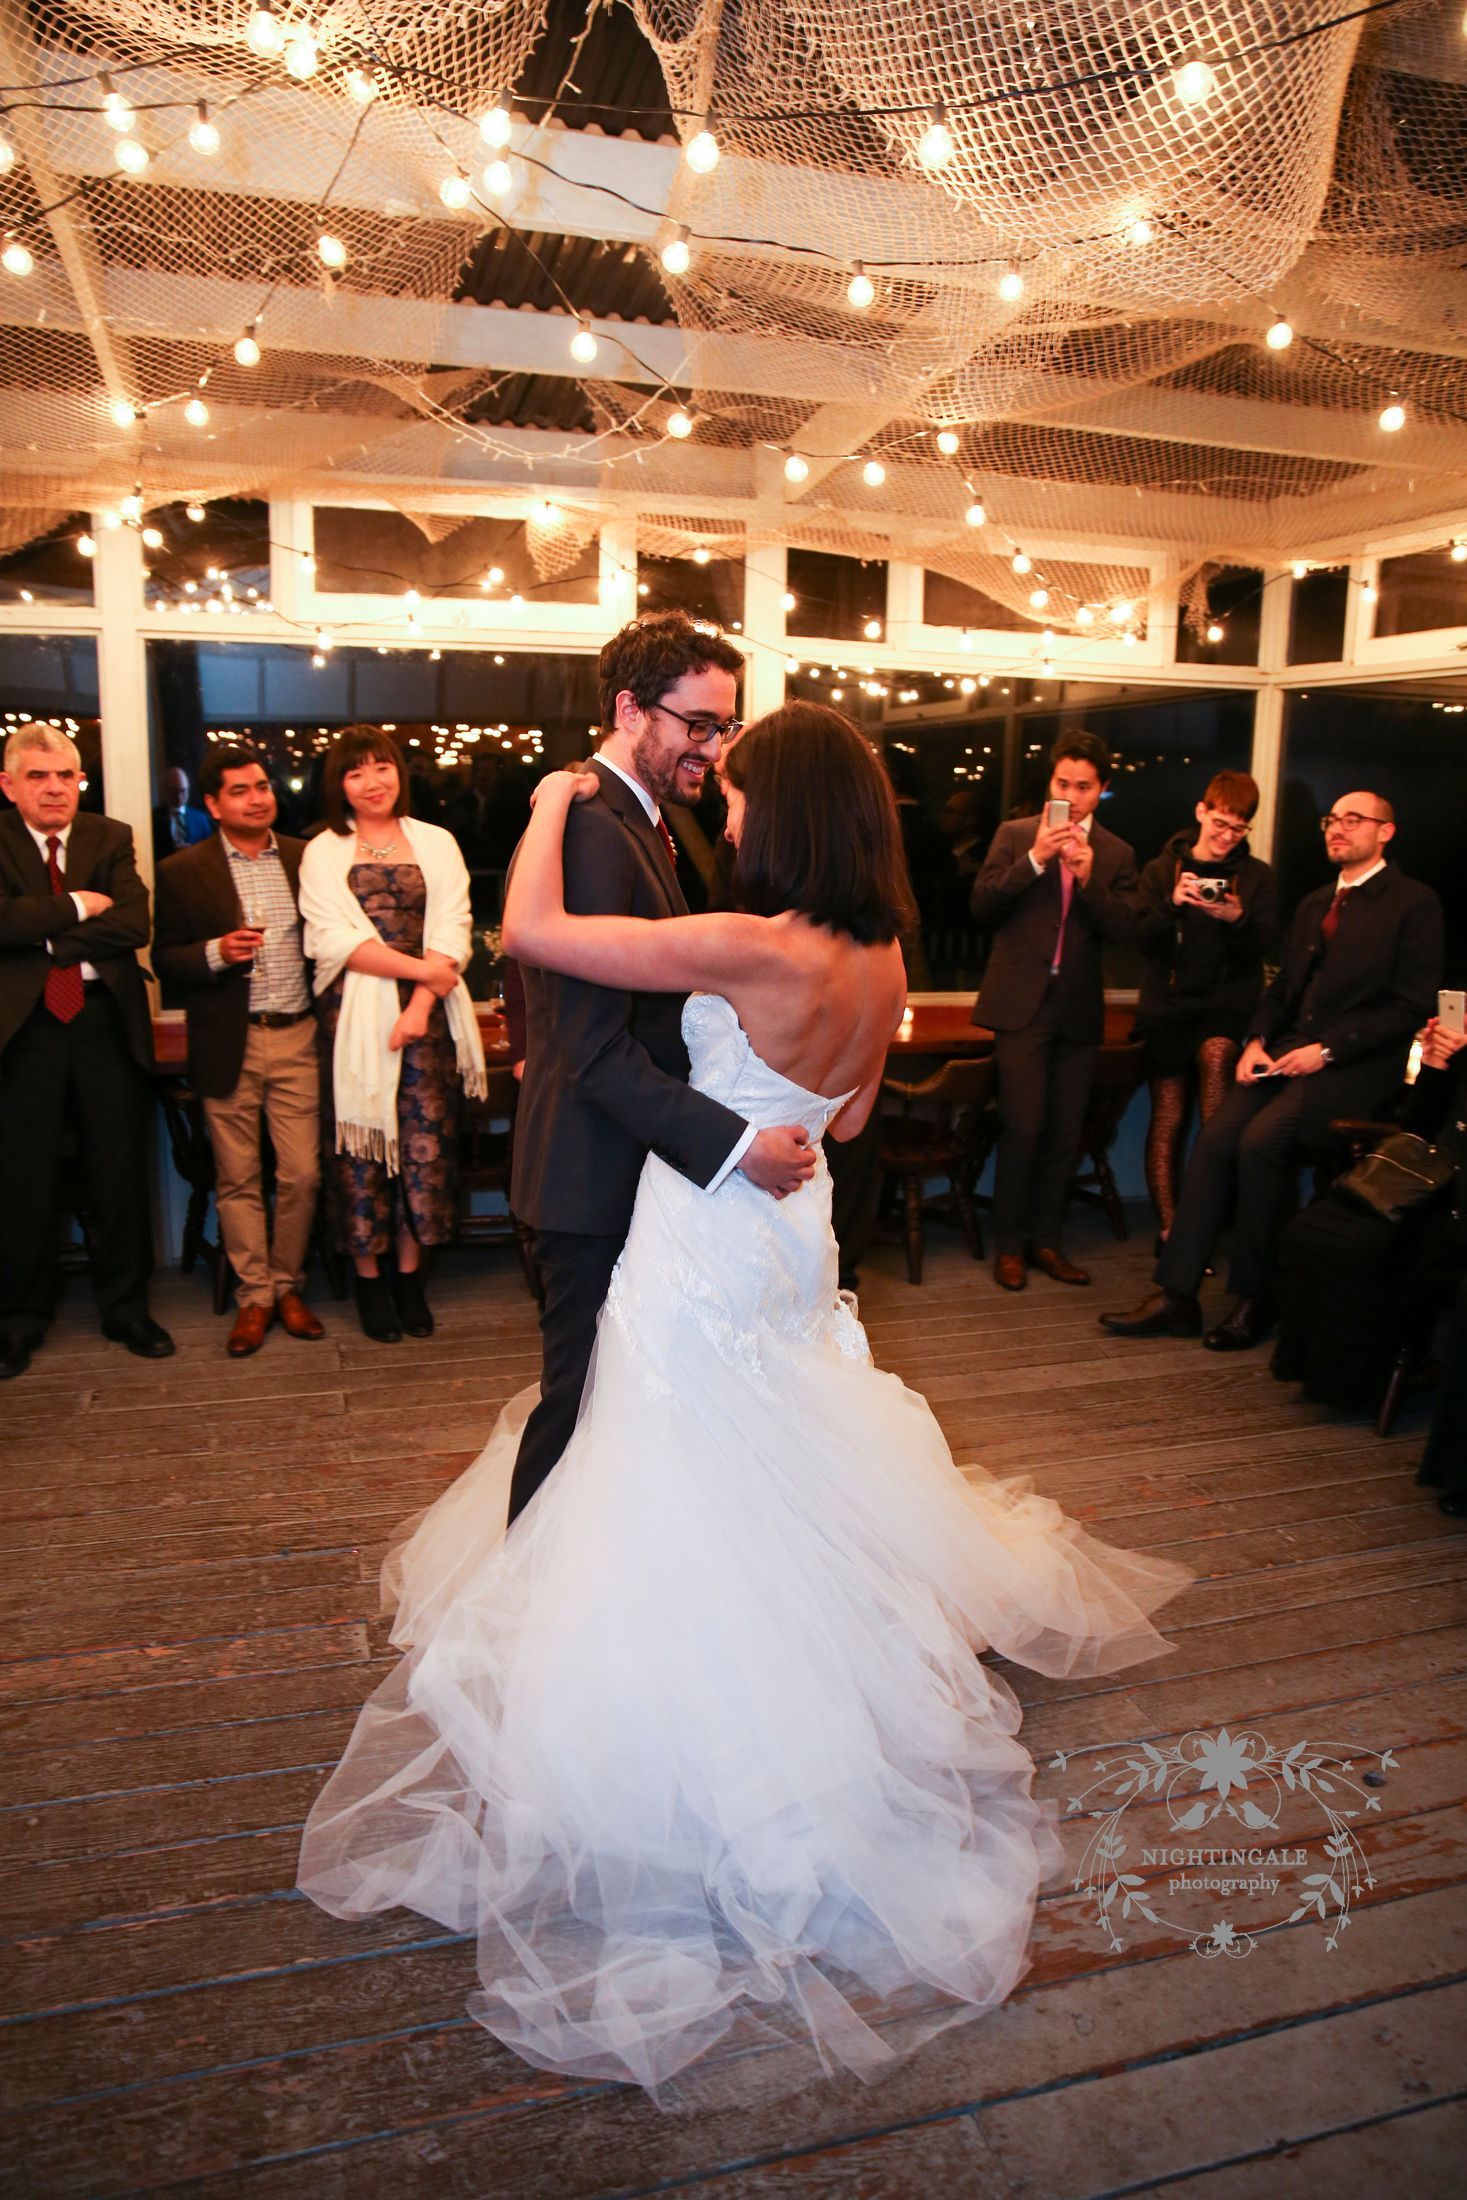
650,655
820,831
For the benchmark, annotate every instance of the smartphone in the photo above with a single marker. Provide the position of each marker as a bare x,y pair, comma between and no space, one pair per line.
1451,1012
1056,813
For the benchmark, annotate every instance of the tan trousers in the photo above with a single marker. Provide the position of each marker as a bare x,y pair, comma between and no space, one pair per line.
281,1080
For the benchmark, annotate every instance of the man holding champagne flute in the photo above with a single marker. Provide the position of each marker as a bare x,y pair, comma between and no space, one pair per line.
227,943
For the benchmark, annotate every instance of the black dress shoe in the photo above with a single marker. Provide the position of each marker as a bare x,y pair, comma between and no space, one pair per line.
145,1337
15,1357
1163,1314
1453,1503
413,1310
376,1312
1244,1325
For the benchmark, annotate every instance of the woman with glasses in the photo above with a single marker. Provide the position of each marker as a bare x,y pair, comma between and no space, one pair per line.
1208,914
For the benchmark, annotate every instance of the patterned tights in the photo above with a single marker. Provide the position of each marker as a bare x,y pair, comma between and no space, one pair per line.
1171,1109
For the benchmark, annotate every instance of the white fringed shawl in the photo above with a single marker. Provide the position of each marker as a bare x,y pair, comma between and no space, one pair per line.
364,1068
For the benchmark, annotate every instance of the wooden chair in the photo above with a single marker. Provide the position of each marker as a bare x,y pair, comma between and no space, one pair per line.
941,1127
1118,1073
486,1157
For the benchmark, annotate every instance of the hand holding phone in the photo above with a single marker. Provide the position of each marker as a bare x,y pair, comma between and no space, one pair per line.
1451,1012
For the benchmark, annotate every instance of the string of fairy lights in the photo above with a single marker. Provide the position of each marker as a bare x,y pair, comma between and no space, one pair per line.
330,55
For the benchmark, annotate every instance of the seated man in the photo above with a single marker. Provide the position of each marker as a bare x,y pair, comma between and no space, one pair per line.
177,823
1330,1037
76,1048
228,940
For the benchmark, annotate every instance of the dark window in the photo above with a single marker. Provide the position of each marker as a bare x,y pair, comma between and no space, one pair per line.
838,597
1420,593
51,568
213,559
713,590
946,602
361,553
1235,603
54,677
1317,616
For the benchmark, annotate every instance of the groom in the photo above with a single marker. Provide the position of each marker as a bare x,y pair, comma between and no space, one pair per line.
606,1072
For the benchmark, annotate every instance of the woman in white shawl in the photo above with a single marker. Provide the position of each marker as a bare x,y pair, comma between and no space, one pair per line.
385,899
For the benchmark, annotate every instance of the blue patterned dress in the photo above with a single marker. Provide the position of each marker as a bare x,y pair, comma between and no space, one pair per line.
367,1207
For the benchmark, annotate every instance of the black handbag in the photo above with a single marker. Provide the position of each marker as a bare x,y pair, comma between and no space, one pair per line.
1402,1174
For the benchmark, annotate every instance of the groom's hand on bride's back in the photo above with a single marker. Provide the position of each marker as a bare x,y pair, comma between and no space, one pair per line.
779,1161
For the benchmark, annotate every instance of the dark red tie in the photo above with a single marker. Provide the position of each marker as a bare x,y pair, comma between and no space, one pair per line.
667,842
1330,923
65,994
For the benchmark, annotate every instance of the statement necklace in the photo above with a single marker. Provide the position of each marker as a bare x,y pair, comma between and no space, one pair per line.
377,855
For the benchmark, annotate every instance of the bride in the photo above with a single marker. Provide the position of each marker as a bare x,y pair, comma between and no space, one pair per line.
701,1748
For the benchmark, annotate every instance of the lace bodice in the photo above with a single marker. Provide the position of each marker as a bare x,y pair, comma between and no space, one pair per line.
725,1066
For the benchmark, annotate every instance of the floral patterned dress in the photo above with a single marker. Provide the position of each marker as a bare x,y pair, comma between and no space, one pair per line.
367,1207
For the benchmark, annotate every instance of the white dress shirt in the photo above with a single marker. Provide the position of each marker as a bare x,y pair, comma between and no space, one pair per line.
89,975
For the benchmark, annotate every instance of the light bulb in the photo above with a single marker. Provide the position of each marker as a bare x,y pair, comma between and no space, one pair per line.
111,520
1369,593
679,425
1021,562
1046,670
872,630
583,345
1279,336
796,468
361,87
87,545
331,250
548,514
1393,417
1299,569
1120,612
1194,83
701,556
264,35
976,515
873,473
203,135
116,111
153,538
1084,616
454,192
1129,638
1140,230
301,57
498,179
788,599
860,290
317,659
496,126
196,413
7,156
935,146
247,349
495,576
1459,553
195,512
17,258
124,412
1011,287
1038,599
325,640
131,508
1214,632
701,152
948,442
132,155
676,254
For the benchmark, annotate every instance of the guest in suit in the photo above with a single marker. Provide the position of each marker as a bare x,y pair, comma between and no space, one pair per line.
1052,894
176,822
606,1073
1362,962
227,940
76,1048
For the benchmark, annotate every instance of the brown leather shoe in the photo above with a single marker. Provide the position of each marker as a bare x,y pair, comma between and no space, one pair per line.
1057,1267
295,1317
1009,1272
1160,1314
248,1333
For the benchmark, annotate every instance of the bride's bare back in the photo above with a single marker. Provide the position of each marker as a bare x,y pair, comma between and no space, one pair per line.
818,1007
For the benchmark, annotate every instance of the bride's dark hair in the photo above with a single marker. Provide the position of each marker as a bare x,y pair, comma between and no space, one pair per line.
820,831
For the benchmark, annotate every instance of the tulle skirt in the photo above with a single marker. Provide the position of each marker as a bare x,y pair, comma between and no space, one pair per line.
701,1750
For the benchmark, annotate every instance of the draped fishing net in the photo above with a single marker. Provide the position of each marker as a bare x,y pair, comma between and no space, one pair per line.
1134,190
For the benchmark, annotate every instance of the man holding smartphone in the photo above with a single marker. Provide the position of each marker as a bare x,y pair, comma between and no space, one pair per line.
1052,889
1329,1039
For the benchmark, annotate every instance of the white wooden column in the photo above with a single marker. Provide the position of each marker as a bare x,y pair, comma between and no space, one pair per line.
122,685
765,570
1267,760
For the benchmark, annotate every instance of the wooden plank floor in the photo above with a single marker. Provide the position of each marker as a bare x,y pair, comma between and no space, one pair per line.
190,1623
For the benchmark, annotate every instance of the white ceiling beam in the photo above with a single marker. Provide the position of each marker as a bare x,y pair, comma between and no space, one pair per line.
1155,414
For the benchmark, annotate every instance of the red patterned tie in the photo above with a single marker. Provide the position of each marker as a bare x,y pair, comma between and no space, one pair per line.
65,993
1330,923
667,841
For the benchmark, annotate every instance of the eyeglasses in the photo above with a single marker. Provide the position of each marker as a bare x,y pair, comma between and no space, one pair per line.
705,729
1229,825
1352,820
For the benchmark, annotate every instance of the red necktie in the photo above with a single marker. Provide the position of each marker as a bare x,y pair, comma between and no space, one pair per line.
65,994
1330,924
667,841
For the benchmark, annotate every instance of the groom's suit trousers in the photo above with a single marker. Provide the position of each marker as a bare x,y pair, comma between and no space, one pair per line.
576,1271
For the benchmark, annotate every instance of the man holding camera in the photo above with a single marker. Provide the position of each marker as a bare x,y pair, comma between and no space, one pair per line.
1330,1037
1053,889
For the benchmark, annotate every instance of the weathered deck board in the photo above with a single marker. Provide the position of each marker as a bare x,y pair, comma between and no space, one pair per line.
190,1620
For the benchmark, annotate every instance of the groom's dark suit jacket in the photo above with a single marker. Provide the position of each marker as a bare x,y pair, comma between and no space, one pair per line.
606,1072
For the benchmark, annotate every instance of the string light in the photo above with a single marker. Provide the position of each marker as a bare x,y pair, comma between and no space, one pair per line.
702,555
860,290
1140,230
17,258
153,538
1120,612
455,192
1369,593
302,59
1021,562
796,468
1299,569
498,179
331,250
948,442
116,111
872,630
1038,599
873,473
203,134
264,35
247,348
935,147
7,156
111,520
701,152
1011,287
124,412
1194,83
976,515
496,127
131,155
131,508
1214,632
676,253
195,512
1279,336
1459,553
325,640
361,87
1084,616
788,599
196,413
1393,417
679,425
584,346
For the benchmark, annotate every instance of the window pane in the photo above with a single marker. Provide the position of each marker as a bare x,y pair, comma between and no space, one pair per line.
712,591
383,554
54,677
1420,593
217,564
835,596
1317,616
49,569
1235,603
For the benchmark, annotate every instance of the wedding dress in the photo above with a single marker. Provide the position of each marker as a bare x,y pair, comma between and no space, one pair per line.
701,1750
